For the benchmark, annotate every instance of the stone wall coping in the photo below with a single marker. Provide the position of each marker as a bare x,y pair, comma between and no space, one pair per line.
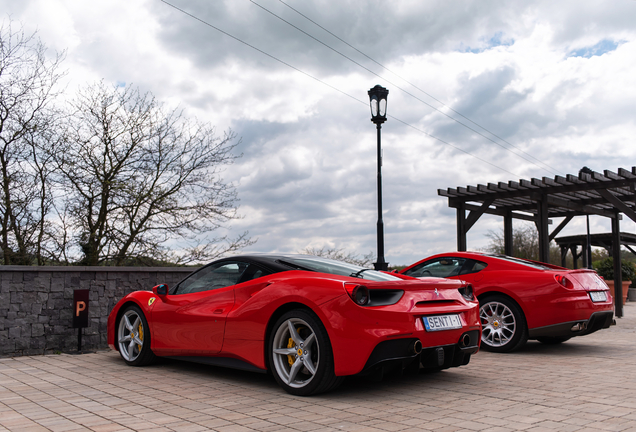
20,268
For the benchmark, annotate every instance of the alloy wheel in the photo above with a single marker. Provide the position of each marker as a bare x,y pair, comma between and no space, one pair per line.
295,352
498,324
130,335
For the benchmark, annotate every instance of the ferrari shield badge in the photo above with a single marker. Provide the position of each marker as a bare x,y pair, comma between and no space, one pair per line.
151,301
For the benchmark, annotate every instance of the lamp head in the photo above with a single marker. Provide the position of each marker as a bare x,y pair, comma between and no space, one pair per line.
377,100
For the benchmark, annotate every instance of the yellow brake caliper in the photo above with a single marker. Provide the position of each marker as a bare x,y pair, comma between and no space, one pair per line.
141,335
291,344
290,358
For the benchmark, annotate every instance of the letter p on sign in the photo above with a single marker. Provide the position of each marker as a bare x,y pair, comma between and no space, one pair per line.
80,301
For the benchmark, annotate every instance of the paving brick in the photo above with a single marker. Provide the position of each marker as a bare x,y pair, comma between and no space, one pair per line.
587,383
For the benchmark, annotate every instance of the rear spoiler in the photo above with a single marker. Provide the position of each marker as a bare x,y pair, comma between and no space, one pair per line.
552,266
399,275
584,270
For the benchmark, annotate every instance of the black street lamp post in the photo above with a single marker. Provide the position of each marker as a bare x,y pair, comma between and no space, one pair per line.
377,99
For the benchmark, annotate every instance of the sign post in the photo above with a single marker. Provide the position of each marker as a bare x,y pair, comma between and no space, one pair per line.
80,314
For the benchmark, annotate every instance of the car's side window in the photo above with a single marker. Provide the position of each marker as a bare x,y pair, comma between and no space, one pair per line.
439,267
254,272
419,270
473,266
212,277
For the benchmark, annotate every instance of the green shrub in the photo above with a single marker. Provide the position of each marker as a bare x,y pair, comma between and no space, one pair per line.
605,268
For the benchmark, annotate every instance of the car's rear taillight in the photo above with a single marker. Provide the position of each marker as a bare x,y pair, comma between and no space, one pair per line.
363,296
358,293
563,281
467,292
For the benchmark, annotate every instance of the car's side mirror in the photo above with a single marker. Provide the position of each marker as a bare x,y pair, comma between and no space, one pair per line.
160,289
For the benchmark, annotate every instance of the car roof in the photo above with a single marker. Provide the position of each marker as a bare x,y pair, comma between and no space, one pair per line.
499,257
271,260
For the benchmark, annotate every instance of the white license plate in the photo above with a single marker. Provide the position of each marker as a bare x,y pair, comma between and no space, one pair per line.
598,296
442,322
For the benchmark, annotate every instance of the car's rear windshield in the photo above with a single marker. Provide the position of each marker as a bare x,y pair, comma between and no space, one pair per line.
521,261
325,265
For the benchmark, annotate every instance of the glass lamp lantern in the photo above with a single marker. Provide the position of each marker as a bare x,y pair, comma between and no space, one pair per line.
377,100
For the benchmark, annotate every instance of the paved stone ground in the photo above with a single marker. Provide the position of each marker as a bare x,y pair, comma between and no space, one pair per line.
585,384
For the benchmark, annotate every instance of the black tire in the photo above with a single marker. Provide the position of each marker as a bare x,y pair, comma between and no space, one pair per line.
133,337
300,355
553,340
504,327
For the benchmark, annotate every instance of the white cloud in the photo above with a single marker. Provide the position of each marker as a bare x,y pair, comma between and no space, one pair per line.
553,79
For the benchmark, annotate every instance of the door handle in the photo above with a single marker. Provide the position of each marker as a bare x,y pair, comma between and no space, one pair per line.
218,311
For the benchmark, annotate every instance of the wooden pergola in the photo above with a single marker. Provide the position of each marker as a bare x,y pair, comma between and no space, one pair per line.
605,194
604,240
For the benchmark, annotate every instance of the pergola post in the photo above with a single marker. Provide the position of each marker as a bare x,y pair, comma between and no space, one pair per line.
616,253
461,227
564,254
508,237
542,227
575,257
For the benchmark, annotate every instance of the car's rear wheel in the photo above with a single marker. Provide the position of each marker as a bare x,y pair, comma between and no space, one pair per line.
133,337
503,324
300,354
552,340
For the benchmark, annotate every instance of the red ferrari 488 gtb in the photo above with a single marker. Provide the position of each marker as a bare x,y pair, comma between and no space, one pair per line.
310,321
521,299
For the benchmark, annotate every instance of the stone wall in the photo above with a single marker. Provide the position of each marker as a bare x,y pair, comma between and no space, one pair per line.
36,304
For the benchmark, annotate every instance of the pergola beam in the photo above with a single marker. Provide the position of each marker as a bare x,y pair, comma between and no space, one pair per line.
618,204
498,212
562,225
474,215
630,249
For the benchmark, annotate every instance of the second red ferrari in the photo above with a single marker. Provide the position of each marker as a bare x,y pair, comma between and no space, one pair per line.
521,299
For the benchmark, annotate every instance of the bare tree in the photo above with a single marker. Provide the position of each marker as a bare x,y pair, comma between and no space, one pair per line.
139,175
525,244
342,255
27,83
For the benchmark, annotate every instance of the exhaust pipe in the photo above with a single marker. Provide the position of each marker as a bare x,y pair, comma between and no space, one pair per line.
464,341
416,347
579,326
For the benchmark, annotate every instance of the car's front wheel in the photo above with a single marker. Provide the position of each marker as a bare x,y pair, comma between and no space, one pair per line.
133,337
503,324
300,354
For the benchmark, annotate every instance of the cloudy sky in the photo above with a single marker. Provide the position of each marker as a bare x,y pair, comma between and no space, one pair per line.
480,91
